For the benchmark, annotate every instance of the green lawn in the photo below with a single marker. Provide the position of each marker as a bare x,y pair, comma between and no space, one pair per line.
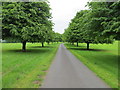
101,59
0,66
26,69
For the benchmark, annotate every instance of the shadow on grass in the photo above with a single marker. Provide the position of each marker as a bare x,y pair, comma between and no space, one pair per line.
42,47
83,49
29,51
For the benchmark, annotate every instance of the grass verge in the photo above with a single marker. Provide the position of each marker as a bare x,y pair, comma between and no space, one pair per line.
26,69
101,59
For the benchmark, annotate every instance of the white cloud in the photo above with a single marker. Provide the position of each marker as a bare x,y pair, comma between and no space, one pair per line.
64,10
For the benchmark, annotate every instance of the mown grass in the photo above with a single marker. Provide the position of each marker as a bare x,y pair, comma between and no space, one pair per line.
101,59
0,66
25,69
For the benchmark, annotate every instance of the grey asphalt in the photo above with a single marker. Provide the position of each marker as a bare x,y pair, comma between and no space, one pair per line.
67,71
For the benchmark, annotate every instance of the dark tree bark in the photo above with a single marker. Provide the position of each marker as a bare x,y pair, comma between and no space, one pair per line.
88,45
42,44
77,44
73,43
24,46
48,43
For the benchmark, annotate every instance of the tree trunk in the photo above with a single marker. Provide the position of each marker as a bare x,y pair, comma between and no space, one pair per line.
24,46
87,45
73,43
77,44
42,44
48,43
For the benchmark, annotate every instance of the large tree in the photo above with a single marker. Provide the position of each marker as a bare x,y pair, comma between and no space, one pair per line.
99,24
107,17
75,27
26,21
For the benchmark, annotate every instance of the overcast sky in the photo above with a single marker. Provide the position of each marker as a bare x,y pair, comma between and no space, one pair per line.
63,11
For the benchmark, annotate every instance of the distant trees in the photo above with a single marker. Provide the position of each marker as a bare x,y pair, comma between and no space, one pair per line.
99,24
57,37
26,22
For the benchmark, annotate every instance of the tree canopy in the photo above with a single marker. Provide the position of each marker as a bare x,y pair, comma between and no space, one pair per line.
99,24
57,37
26,22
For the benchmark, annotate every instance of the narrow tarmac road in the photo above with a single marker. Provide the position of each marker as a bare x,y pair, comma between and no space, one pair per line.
67,71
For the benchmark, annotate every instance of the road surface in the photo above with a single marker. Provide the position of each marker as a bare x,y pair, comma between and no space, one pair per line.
67,71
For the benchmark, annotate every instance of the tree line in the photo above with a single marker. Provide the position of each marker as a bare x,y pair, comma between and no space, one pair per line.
28,22
99,24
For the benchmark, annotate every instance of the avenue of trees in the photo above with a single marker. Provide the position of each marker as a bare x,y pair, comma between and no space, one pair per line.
27,22
99,24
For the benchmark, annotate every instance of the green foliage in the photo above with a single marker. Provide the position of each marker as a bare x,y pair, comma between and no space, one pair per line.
50,37
57,37
106,15
99,24
26,21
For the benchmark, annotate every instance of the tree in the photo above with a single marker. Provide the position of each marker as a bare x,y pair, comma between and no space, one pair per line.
107,13
57,37
25,21
77,31
75,26
94,25
49,37
104,21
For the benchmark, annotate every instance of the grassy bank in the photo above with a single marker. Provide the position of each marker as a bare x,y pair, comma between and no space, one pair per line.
101,59
26,69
